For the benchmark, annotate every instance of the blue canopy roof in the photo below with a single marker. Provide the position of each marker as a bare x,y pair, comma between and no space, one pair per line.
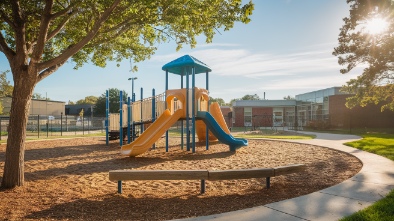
180,66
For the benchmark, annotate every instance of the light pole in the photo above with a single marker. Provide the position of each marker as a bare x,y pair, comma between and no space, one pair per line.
132,100
132,87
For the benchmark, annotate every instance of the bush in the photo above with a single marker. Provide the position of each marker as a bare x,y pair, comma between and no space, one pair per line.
318,125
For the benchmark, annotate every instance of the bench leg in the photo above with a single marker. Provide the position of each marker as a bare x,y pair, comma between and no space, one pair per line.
202,186
267,181
119,186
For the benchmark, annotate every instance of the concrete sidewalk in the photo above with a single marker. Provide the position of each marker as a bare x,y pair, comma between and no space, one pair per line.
373,182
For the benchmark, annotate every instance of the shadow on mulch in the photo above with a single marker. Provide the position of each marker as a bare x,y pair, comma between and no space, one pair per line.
127,207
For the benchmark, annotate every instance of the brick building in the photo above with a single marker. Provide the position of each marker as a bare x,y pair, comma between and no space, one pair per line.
361,117
323,107
227,114
263,113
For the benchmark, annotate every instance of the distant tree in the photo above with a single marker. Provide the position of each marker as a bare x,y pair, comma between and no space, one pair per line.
38,96
70,102
220,101
366,39
114,95
5,86
88,100
232,101
288,97
246,97
251,97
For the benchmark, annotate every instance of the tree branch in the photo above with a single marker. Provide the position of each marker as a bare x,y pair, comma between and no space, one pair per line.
76,47
42,36
62,12
56,30
19,22
49,71
164,32
60,26
9,53
8,20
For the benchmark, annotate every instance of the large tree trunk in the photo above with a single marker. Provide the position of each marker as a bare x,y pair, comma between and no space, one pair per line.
24,83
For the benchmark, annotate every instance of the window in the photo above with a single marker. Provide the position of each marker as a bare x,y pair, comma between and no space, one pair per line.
278,116
247,116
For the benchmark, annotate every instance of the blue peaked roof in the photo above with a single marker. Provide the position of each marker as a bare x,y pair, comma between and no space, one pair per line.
181,66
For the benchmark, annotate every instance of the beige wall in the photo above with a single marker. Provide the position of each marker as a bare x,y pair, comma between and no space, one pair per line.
37,107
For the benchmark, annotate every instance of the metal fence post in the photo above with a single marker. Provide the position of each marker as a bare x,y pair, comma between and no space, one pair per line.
83,125
38,125
88,126
61,123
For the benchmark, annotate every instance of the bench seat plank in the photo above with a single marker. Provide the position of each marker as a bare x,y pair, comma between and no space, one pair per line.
283,170
115,175
240,174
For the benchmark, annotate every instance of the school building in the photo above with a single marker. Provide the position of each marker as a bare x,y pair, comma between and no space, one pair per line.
321,109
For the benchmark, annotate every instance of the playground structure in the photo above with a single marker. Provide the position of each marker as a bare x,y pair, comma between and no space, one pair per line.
135,113
189,105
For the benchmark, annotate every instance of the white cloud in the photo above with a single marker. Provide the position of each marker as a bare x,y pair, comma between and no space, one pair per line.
302,70
241,62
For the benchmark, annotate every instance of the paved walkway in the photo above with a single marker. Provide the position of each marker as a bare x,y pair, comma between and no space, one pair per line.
373,182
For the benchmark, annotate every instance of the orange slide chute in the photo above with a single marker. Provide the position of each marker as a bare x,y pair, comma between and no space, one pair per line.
145,141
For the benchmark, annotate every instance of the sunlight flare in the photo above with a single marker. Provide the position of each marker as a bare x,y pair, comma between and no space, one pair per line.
376,25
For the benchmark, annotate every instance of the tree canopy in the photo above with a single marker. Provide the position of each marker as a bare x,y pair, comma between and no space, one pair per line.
114,97
88,100
366,40
219,100
5,86
288,97
245,97
98,31
38,37
251,97
39,96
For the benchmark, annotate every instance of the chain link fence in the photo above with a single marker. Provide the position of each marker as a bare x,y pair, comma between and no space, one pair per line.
42,126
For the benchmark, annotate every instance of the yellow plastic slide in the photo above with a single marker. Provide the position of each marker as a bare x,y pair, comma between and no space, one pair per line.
215,111
145,141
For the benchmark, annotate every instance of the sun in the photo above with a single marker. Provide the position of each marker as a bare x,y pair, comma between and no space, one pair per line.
376,26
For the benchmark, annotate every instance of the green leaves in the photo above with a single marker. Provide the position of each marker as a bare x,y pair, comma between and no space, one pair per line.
374,51
132,30
114,97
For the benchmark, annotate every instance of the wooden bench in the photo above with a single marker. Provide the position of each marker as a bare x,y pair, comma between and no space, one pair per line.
121,175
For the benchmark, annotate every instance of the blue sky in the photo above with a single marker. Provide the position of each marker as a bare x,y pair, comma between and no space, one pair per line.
285,50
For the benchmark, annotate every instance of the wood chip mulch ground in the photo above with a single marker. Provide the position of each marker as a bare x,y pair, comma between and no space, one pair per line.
68,179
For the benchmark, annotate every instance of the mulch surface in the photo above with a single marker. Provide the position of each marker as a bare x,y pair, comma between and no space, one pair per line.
67,179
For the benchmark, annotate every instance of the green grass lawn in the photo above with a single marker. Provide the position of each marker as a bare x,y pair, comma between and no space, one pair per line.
44,137
263,133
381,144
295,137
382,210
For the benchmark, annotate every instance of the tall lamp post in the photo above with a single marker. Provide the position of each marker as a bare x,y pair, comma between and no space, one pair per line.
132,100
132,87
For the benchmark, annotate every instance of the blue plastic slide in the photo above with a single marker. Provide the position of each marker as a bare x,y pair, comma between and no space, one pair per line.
219,133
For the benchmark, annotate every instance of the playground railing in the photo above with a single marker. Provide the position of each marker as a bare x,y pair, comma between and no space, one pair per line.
141,111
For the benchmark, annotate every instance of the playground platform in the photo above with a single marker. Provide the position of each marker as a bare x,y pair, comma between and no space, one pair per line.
373,182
